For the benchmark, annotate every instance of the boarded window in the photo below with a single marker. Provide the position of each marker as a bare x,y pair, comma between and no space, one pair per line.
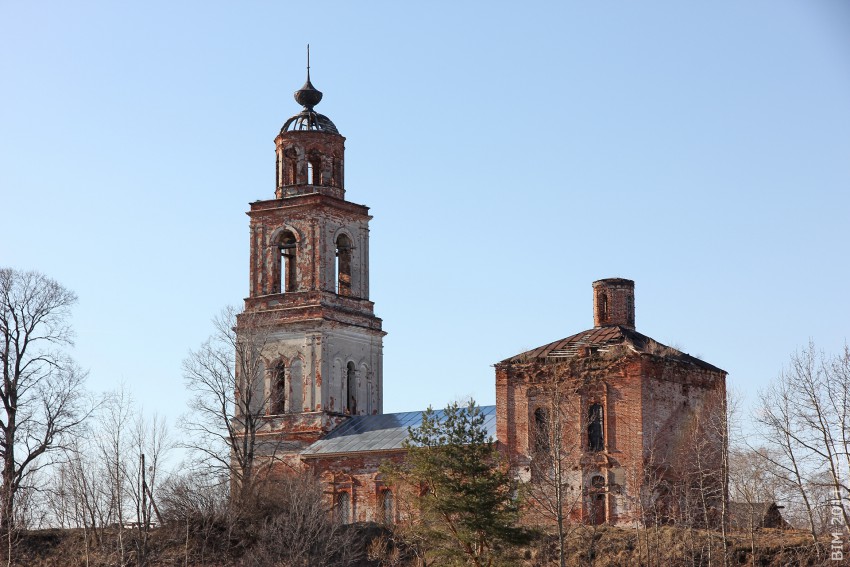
296,389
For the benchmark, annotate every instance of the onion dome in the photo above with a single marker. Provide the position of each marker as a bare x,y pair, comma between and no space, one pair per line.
309,96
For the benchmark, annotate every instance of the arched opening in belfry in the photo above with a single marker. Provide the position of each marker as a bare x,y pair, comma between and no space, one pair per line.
351,389
314,170
343,265
278,393
595,431
287,245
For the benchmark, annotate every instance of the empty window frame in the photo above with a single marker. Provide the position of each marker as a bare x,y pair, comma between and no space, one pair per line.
278,393
541,432
595,431
288,247
351,388
343,265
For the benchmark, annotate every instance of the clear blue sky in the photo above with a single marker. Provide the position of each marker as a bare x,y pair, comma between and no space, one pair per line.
511,153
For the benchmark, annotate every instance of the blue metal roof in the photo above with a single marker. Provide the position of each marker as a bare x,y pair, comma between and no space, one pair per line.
383,432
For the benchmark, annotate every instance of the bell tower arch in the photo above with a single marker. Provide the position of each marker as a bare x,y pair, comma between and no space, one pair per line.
309,284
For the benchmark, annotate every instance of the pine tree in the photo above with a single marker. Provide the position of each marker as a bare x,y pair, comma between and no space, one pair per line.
467,500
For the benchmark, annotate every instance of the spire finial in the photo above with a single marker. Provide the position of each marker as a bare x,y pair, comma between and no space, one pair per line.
308,96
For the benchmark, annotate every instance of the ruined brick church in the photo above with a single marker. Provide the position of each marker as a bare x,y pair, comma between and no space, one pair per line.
625,403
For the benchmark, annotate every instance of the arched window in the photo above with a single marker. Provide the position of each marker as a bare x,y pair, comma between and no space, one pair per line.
288,248
387,506
278,395
541,431
343,507
351,388
296,380
343,265
595,435
314,171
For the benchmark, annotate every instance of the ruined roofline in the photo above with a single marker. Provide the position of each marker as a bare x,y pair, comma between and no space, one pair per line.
601,339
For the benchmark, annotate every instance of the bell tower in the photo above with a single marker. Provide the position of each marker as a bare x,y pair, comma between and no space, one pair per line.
309,285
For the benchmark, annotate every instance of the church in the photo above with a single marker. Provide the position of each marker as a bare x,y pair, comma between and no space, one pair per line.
624,410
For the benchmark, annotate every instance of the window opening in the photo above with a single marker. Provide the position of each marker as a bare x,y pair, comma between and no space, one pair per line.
387,506
288,248
351,388
541,431
343,265
314,171
343,507
603,307
279,390
595,440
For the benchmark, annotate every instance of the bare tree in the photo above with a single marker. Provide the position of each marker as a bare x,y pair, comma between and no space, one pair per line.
41,392
555,488
227,377
803,419
776,420
151,444
114,443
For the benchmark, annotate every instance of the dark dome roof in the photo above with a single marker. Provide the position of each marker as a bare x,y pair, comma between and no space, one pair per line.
309,96
309,120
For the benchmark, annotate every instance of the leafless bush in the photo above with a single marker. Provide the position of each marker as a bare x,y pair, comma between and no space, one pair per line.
288,524
296,529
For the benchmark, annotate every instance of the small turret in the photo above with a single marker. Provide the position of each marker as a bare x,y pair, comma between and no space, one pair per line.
614,303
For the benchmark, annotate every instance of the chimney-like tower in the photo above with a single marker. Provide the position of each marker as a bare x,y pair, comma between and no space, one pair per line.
614,303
